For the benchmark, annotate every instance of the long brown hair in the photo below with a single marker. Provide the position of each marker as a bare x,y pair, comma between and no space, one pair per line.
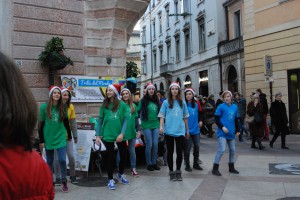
116,102
171,100
130,102
17,107
60,107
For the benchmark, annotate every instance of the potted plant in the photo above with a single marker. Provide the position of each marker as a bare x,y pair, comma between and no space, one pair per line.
53,57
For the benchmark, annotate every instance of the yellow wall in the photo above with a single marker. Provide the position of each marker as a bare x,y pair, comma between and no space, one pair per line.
284,48
269,14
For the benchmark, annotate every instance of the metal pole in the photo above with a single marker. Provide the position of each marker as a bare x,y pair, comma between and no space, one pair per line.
151,62
271,92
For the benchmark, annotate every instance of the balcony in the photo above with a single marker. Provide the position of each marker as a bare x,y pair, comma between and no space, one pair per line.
232,46
166,69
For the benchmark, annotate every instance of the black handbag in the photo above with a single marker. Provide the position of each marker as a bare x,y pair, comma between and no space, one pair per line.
258,118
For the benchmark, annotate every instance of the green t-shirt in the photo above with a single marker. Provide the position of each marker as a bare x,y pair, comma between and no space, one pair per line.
54,129
112,121
130,132
153,121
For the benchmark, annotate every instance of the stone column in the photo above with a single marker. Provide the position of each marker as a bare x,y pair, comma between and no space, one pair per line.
108,26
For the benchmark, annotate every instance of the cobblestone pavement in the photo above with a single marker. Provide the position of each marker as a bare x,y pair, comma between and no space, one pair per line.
255,180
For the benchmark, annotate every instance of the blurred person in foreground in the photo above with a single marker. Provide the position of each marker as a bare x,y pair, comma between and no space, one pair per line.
23,172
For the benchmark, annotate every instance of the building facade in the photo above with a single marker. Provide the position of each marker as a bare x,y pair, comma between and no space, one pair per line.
180,43
272,56
95,33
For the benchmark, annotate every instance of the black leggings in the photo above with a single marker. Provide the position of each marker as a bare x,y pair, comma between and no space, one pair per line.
170,150
110,157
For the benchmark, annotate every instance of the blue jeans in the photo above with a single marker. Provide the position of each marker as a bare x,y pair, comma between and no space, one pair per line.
61,154
131,149
222,144
194,139
70,154
151,139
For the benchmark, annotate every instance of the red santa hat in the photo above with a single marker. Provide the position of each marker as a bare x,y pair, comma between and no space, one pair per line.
174,84
63,89
52,88
190,89
116,88
149,85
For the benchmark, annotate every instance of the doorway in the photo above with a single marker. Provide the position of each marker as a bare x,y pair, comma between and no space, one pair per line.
294,100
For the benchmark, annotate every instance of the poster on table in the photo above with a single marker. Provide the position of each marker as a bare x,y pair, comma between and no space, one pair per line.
82,150
88,88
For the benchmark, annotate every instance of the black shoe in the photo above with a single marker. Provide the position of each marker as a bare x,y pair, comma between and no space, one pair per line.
271,144
150,168
73,180
232,169
172,176
155,167
261,147
285,147
178,175
57,182
197,166
254,147
188,168
215,170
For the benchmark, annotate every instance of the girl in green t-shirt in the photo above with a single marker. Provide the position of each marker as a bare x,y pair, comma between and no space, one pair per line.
133,129
149,107
112,127
53,126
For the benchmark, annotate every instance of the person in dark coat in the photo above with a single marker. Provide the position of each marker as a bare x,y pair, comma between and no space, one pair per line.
264,102
255,108
208,116
219,100
279,119
241,104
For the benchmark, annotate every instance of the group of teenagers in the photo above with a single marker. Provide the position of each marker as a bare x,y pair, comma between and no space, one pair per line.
178,119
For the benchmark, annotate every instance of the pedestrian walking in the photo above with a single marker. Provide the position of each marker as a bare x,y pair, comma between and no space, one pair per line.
226,117
111,128
256,109
279,119
241,104
264,102
174,124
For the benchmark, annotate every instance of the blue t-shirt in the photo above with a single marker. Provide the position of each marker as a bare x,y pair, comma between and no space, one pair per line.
174,124
227,114
193,119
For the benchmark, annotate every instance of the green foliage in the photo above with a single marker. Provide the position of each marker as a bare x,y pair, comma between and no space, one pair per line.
132,69
53,55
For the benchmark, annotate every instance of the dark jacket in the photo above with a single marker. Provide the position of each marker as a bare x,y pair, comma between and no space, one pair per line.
241,104
264,102
278,113
208,113
256,130
219,101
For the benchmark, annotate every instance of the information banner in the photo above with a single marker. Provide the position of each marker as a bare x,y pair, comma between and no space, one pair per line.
82,150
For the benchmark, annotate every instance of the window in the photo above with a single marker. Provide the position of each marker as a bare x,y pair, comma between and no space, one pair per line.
237,25
144,63
186,7
187,43
160,23
161,55
201,32
177,43
153,25
176,8
144,35
167,7
168,52
154,60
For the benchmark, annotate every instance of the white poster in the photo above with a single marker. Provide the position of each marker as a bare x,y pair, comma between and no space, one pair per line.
85,88
82,150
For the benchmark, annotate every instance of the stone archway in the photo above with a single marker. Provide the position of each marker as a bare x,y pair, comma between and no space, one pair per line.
109,24
232,79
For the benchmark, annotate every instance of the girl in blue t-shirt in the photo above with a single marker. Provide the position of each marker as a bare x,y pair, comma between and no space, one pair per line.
226,117
194,121
174,124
